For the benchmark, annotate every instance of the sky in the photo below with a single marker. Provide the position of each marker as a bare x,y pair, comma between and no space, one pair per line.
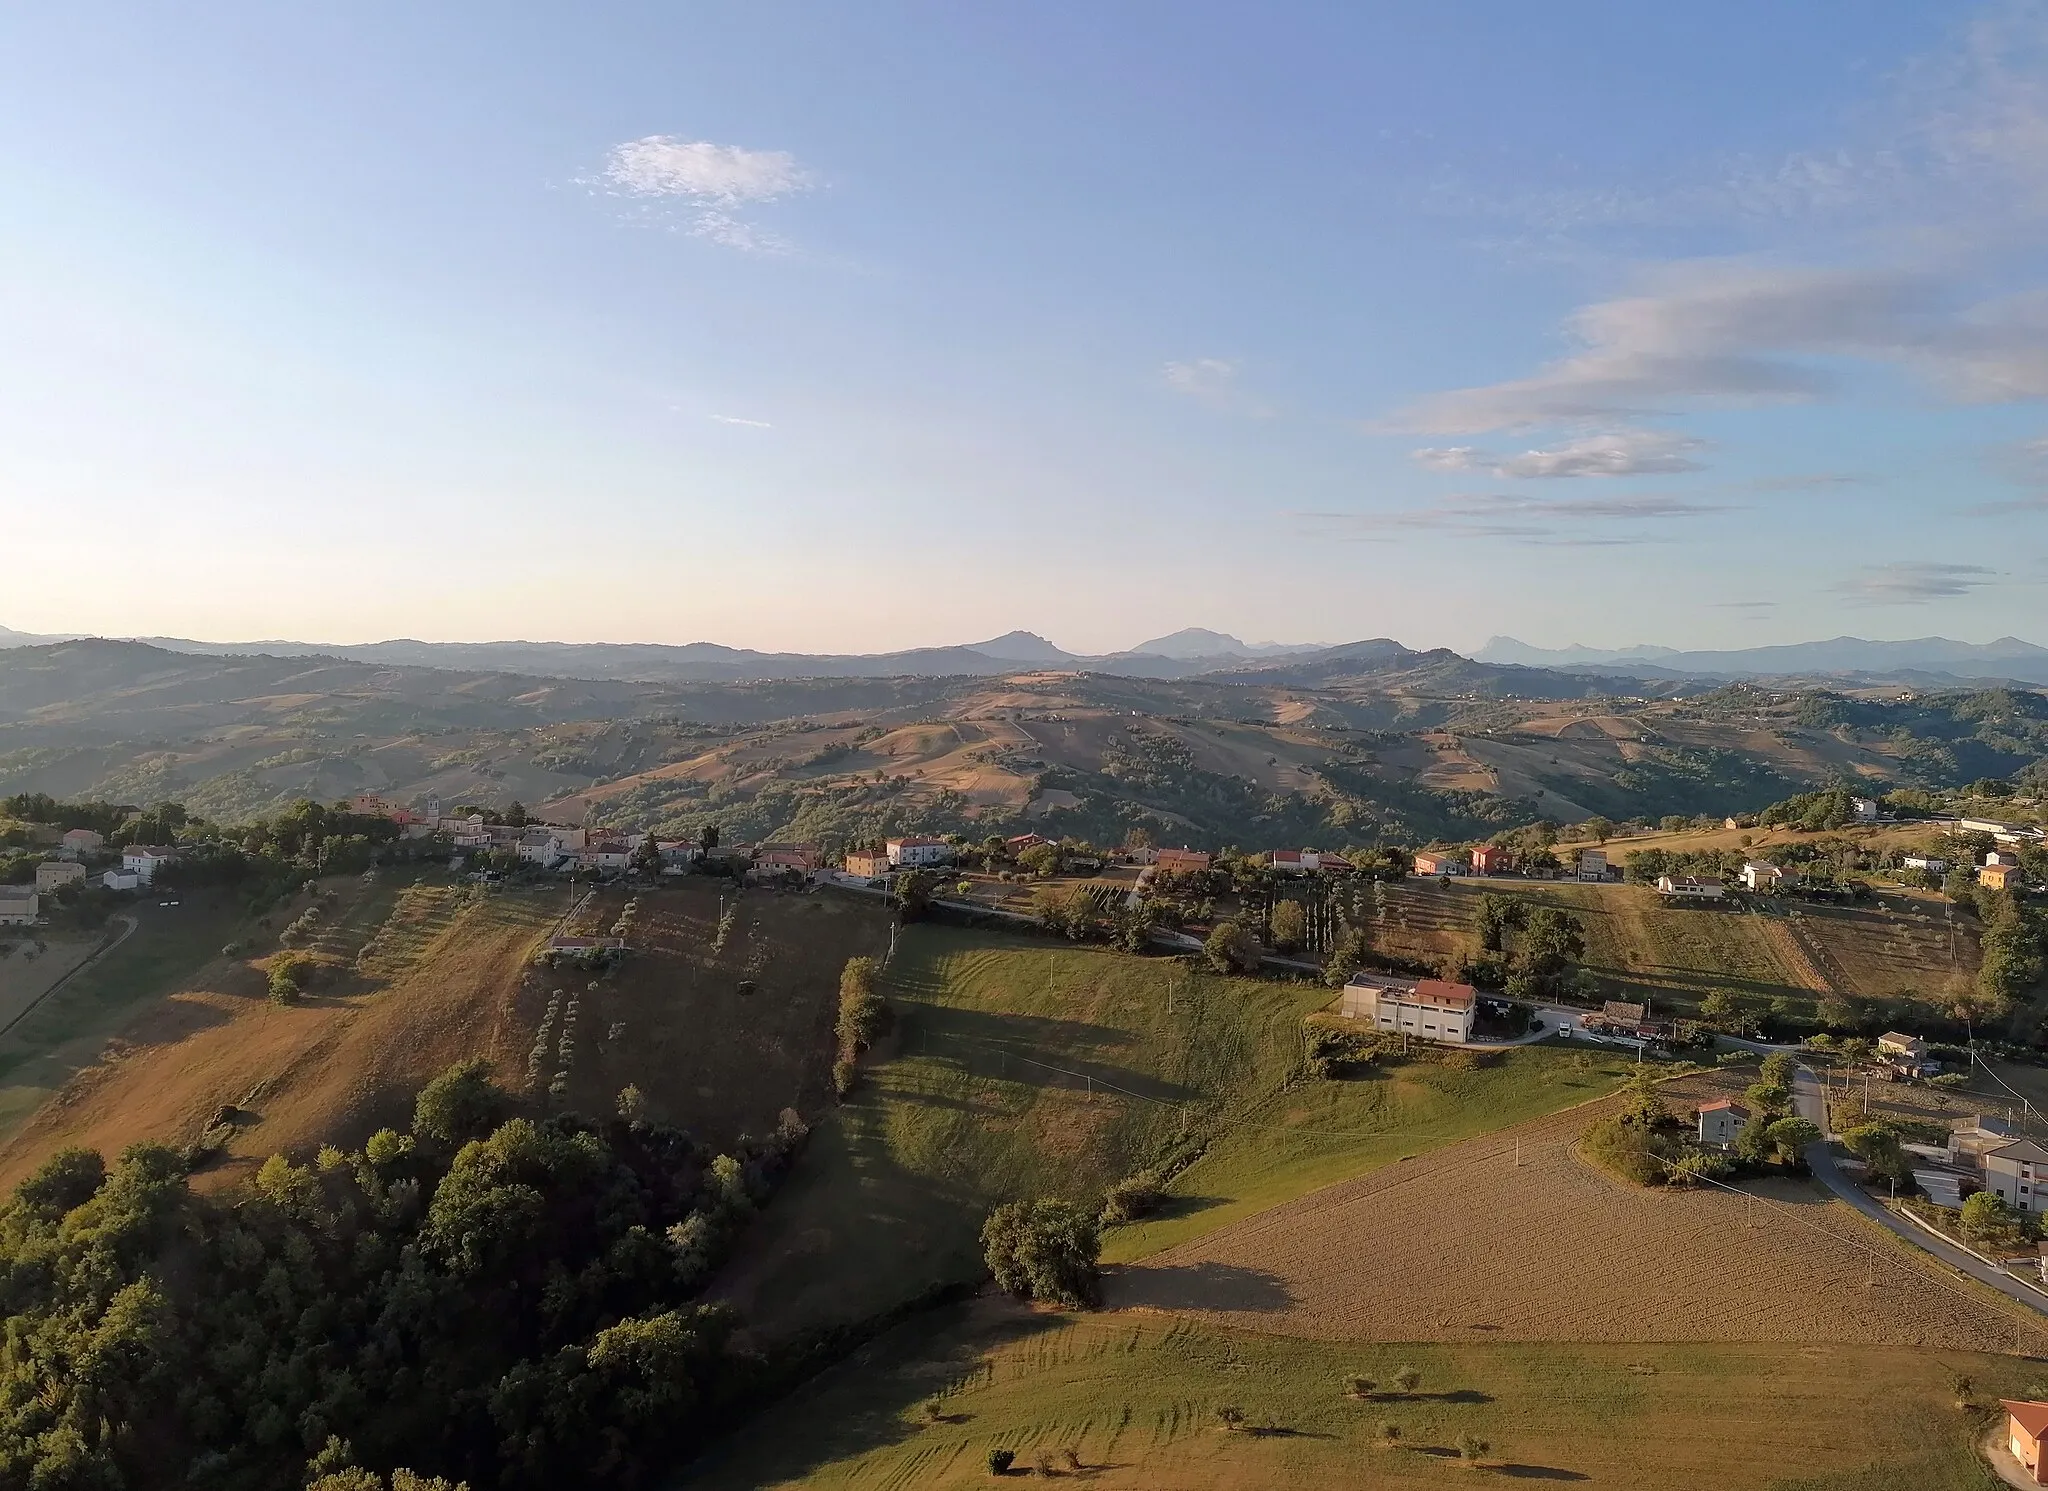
849,328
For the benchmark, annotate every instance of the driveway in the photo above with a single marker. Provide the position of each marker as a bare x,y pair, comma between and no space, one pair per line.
1811,1104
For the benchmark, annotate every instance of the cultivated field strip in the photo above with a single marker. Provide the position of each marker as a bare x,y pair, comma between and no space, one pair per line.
1468,1245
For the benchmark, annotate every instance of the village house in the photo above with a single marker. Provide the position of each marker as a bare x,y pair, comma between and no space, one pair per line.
607,854
1491,859
1999,872
1592,864
677,855
1973,1138
1304,862
54,874
79,843
918,853
868,864
1432,1009
1016,846
19,905
1440,863
776,858
538,847
1181,861
1761,875
1690,888
1906,1055
1864,809
2026,1424
121,880
2015,1173
1722,1122
144,860
1925,862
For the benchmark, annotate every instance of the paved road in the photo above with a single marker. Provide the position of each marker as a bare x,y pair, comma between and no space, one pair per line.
1811,1104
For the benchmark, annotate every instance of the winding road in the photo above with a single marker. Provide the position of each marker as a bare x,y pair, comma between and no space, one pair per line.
1810,1101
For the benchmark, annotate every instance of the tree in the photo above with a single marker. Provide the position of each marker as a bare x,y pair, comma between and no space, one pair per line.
1407,1379
1498,915
1598,828
515,816
647,858
1044,1250
1790,1137
707,838
1231,949
1471,1447
1552,939
461,1104
632,1104
1354,946
1987,1218
1289,925
1726,1011
1000,1461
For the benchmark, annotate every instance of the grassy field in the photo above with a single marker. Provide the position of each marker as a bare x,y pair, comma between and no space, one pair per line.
68,1031
1024,1068
1135,1398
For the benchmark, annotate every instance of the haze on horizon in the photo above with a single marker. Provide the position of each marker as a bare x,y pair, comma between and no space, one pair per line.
862,330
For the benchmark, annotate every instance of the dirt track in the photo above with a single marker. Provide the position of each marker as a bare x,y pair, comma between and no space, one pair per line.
1467,1245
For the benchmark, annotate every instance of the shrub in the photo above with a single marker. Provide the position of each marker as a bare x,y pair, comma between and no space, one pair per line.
461,1104
289,973
1407,1379
1471,1447
1128,1200
1000,1461
1044,1250
1356,1386
1231,1417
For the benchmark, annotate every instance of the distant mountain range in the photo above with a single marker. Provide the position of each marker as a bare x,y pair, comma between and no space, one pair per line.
2006,658
1192,652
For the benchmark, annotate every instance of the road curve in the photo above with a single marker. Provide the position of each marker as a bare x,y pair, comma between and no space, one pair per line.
1811,1104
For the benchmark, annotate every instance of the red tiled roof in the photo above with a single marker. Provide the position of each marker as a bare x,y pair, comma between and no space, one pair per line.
2032,1417
1444,995
1725,1103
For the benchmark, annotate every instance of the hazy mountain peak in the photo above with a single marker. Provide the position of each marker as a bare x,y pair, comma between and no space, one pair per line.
1021,647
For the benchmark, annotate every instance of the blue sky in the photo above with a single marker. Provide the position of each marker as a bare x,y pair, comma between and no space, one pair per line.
851,328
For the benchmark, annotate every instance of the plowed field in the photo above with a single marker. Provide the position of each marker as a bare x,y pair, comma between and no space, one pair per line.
1513,1237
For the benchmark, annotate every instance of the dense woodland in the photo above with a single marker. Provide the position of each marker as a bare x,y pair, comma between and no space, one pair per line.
504,1301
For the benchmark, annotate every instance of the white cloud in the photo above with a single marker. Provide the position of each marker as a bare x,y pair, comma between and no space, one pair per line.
1912,582
1614,453
734,419
707,183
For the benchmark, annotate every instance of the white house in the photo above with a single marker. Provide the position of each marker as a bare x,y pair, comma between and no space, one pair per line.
2015,1172
144,860
1429,1008
19,905
53,874
1973,1138
1865,809
1925,862
121,880
80,842
1688,888
539,847
915,853
1760,875
1592,864
1722,1122
607,854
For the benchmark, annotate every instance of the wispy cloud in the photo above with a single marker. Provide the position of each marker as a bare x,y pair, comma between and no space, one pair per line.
1614,453
1911,582
1524,519
734,419
1212,381
707,184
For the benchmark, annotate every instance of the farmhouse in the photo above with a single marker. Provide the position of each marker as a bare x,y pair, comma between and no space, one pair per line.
912,853
1592,864
1303,861
80,842
1182,861
144,860
1016,846
1998,873
1973,1138
121,880
607,854
1440,864
1491,859
1430,1008
2026,1424
1761,875
1687,888
2015,1172
18,905
1864,808
677,855
869,864
52,874
1925,862
1896,1045
1722,1122
773,858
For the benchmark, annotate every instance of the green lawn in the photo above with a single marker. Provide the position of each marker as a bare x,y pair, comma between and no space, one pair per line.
67,1029
1135,1399
1024,1067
